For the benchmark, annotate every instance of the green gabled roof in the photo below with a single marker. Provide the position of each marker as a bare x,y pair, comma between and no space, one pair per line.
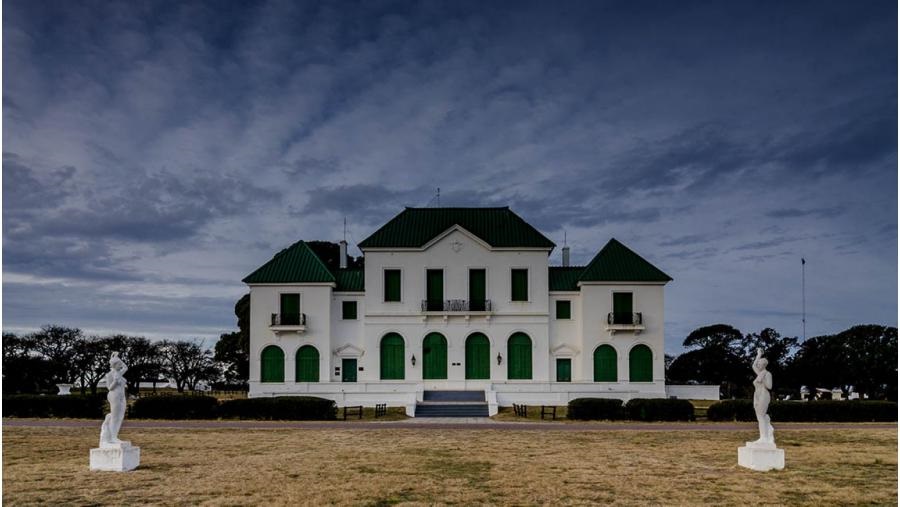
295,264
350,280
564,277
498,227
617,263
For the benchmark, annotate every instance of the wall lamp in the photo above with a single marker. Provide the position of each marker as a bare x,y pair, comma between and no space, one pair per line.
499,358
414,360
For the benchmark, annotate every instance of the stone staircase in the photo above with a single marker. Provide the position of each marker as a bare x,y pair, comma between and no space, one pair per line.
452,404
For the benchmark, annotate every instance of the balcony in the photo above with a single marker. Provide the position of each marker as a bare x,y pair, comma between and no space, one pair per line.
619,321
288,323
456,306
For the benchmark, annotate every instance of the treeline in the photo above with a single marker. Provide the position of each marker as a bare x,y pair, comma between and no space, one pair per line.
863,358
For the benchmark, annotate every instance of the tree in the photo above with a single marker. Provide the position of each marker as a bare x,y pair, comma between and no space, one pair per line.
57,345
715,357
778,351
187,363
140,355
91,360
232,350
24,369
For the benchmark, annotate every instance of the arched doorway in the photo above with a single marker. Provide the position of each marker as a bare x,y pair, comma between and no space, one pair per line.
307,364
392,357
271,364
434,357
605,368
518,357
640,364
478,357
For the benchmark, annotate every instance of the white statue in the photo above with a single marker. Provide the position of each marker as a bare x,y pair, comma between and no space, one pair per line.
761,397
115,382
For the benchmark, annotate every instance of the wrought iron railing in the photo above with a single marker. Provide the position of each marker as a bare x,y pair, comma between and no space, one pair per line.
288,319
633,319
456,305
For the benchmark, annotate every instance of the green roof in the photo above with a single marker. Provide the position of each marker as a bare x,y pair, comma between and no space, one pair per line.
617,263
498,227
295,264
350,280
564,277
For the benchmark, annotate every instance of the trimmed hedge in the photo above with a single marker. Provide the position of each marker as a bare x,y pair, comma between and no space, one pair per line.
811,411
174,407
287,408
595,408
659,409
33,405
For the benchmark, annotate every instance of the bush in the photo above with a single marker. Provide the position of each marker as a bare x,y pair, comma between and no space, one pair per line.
812,411
175,407
33,405
595,408
288,408
659,409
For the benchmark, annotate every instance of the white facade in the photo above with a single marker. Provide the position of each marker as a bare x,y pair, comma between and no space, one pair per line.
456,251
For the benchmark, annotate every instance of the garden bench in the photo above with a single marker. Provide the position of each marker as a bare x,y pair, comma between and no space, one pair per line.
357,411
550,411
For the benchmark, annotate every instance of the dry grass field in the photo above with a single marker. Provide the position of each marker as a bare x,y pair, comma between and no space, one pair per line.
429,466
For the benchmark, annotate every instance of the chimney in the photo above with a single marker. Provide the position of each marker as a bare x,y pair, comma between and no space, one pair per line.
343,254
565,254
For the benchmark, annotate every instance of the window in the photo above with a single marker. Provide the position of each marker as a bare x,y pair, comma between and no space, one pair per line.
307,364
563,310
290,309
477,290
519,279
605,364
622,308
271,364
434,289
348,310
640,364
392,285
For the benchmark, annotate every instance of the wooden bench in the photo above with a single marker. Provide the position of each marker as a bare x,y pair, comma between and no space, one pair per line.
380,409
549,411
357,411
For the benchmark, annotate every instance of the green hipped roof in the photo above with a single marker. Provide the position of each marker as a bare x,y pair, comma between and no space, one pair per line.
350,280
617,263
498,227
564,277
295,264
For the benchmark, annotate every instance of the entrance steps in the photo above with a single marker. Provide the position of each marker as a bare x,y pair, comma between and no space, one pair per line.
452,404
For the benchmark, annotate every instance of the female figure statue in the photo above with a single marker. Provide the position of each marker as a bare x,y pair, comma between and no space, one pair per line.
115,382
761,397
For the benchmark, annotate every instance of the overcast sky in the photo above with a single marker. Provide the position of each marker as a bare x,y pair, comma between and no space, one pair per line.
155,153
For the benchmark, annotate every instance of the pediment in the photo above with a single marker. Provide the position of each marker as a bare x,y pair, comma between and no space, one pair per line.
564,350
349,351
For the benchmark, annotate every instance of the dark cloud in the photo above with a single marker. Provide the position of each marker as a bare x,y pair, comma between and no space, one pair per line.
797,213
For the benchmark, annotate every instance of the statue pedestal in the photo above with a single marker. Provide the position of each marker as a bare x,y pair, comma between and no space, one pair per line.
761,457
120,457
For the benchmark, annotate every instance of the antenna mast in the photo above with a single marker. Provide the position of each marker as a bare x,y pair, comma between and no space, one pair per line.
803,292
345,228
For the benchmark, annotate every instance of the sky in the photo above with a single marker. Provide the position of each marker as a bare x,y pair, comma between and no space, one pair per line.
155,153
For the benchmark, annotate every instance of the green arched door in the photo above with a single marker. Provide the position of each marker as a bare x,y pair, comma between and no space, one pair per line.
478,357
307,364
271,364
434,357
640,364
605,368
518,357
392,354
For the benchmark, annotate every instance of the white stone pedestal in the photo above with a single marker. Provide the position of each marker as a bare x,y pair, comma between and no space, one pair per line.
761,457
120,457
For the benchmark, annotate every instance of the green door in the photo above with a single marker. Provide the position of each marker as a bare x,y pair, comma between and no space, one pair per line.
348,370
563,370
622,308
307,364
518,357
477,290
640,364
478,357
290,309
434,360
605,368
392,355
434,290
272,364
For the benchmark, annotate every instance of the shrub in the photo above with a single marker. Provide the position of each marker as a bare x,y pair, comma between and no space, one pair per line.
659,409
731,410
175,407
289,408
812,411
32,405
595,408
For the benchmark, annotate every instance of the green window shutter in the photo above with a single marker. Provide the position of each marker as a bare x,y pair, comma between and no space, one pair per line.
392,357
391,285
290,309
434,360
477,290
605,364
518,357
478,357
434,289
563,309
640,364
348,310
563,370
622,308
272,364
307,364
519,279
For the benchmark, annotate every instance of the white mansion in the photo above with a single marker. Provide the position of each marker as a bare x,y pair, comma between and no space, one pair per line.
457,299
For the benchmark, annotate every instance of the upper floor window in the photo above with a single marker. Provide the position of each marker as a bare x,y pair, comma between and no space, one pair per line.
622,308
519,283
348,310
391,285
290,309
563,310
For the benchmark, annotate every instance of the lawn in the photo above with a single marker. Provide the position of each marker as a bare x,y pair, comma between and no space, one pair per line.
424,466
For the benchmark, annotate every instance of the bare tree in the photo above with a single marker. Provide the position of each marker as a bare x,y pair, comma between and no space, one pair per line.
187,363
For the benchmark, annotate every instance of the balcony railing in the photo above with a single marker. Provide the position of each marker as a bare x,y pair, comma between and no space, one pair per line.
456,305
627,319
289,319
